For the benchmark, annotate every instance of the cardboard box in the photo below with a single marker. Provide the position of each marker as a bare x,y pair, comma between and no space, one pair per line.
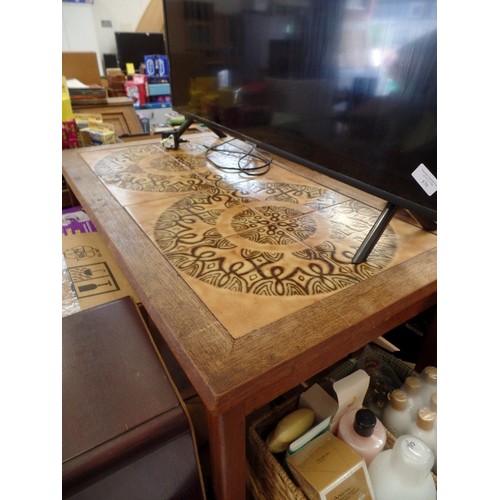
65,138
329,469
349,392
81,65
156,105
91,276
163,67
97,134
139,78
70,134
84,119
116,78
136,92
157,65
157,79
162,99
150,63
67,109
155,89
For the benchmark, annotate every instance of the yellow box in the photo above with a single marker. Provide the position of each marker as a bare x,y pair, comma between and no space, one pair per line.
328,469
84,120
97,134
67,109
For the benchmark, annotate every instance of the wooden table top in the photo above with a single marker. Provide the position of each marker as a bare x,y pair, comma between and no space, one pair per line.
249,279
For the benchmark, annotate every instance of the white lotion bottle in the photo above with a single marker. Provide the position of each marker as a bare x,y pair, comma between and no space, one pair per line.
425,429
363,432
428,380
396,416
434,408
434,402
413,387
434,405
404,472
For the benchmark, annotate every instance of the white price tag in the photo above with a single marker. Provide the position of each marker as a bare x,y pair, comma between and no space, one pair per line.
426,179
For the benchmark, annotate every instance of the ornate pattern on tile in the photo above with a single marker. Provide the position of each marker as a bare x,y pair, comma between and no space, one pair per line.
276,244
147,169
265,247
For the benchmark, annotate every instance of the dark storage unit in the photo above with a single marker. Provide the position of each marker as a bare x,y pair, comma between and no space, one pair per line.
125,433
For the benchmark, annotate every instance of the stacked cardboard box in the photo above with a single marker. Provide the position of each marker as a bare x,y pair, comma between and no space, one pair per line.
90,275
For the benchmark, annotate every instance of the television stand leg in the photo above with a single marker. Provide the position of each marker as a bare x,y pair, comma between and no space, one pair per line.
375,233
171,140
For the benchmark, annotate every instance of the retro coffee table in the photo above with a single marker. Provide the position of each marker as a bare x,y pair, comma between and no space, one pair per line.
249,279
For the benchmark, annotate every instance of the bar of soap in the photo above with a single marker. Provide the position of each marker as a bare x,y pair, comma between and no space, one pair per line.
289,428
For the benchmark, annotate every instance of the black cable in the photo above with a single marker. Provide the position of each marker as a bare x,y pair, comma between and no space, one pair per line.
254,170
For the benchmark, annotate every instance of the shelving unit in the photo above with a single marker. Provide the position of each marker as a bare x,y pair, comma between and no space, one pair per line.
119,112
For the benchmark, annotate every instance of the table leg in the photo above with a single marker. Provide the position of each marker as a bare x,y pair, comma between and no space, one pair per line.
226,434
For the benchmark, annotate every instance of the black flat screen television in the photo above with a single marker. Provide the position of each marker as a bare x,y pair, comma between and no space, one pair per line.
346,87
131,47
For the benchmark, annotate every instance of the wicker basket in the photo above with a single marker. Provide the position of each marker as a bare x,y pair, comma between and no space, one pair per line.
268,475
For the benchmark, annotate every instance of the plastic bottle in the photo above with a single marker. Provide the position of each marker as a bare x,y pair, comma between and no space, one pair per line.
403,472
425,429
428,380
434,407
363,432
413,387
396,415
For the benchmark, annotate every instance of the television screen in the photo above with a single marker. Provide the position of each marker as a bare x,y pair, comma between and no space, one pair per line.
346,87
131,47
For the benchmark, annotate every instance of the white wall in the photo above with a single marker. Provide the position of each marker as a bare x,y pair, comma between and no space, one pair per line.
82,30
78,29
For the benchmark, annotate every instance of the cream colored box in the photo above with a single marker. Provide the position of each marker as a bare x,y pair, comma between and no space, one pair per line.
328,469
91,276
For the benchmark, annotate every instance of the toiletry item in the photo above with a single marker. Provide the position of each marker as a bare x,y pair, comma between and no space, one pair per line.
434,403
397,416
403,472
428,379
289,428
309,436
363,432
329,468
434,408
413,387
424,428
350,392
318,400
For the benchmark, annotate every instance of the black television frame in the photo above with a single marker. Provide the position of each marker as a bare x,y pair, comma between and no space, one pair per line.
425,216
383,220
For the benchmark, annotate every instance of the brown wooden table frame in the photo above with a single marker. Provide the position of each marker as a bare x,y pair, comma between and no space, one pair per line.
236,377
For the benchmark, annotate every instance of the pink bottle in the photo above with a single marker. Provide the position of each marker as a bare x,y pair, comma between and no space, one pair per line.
363,432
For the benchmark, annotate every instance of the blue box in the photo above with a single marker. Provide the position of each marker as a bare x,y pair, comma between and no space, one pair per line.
150,63
158,89
162,66
157,65
153,105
